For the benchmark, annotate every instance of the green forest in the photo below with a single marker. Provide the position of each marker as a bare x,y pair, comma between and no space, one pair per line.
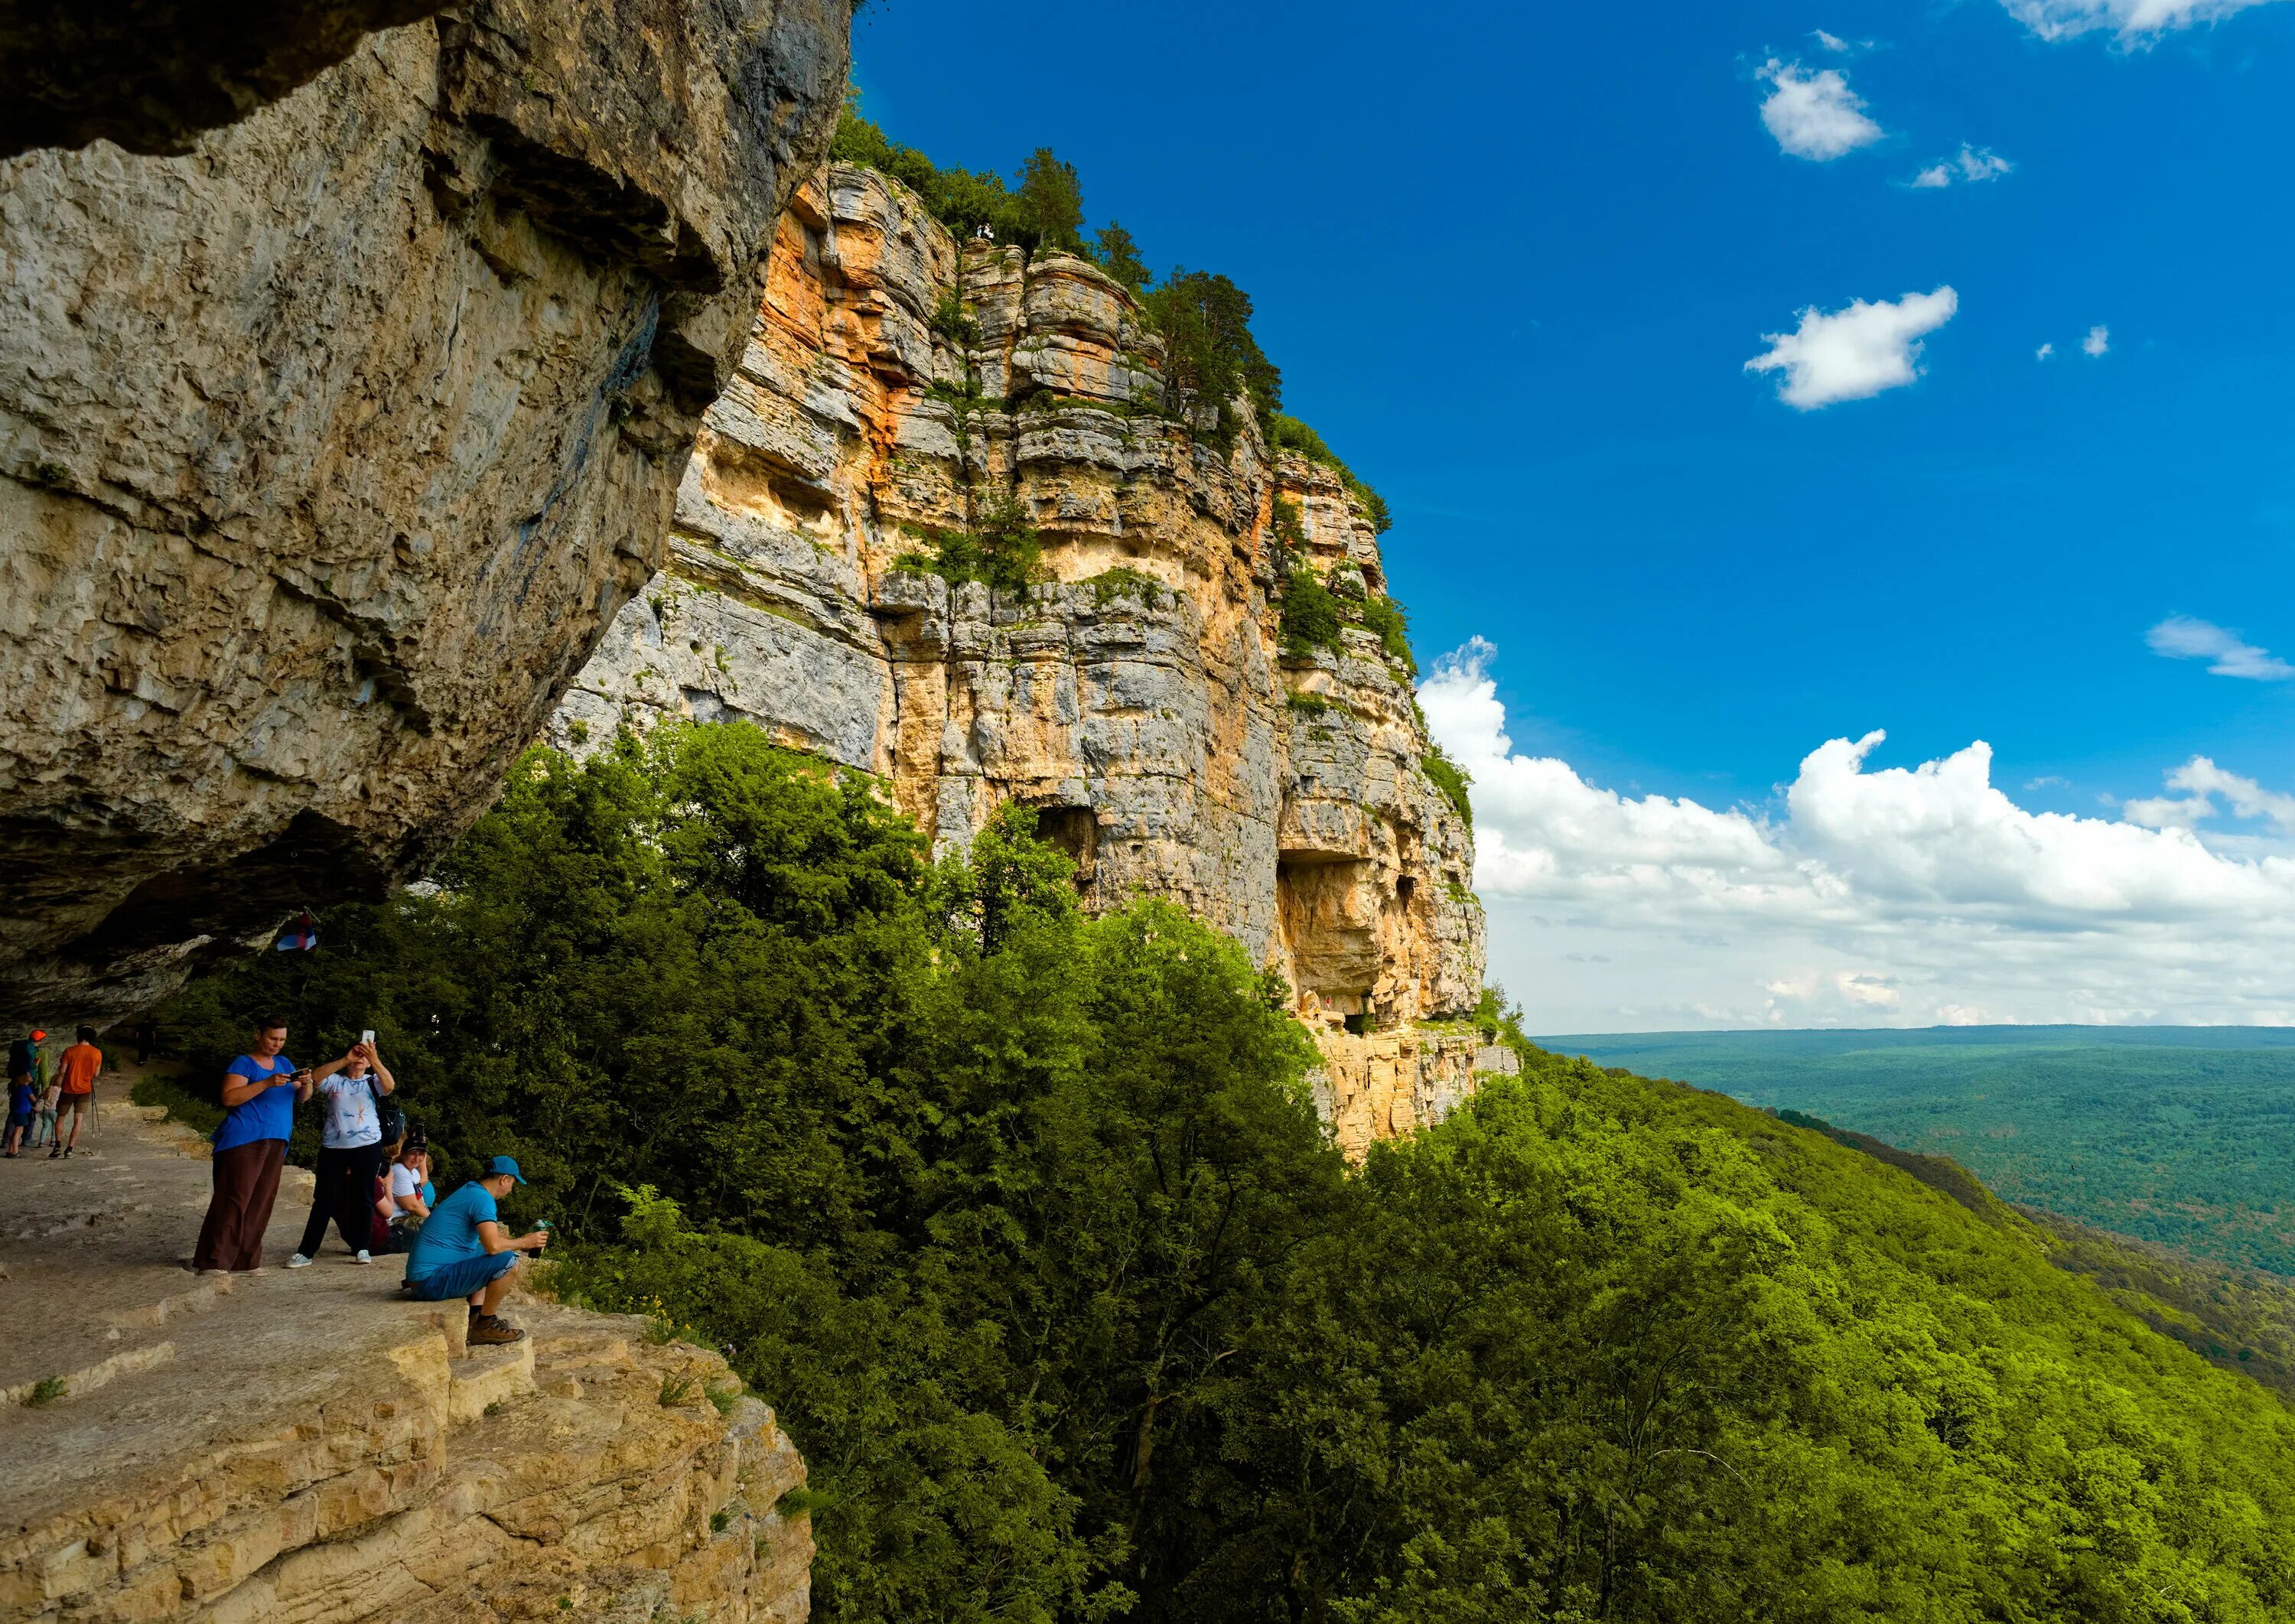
2183,1137
1024,1222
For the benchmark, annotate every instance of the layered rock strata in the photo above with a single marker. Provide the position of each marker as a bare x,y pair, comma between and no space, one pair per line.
328,449
308,1448
899,386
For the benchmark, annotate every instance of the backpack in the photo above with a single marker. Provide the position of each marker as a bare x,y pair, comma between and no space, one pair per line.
23,1057
386,1112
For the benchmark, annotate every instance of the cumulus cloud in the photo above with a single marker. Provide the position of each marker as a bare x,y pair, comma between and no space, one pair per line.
1831,42
2043,352
2136,22
2098,341
1898,895
1815,115
1971,166
2201,780
1855,353
2186,637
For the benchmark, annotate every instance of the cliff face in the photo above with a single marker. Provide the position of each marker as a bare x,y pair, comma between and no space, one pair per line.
897,383
328,450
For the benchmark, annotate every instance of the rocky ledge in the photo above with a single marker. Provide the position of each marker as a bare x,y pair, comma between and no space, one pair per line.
329,448
305,1448
899,384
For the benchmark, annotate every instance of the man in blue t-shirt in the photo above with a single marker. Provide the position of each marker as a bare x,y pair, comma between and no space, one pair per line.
260,1091
463,1251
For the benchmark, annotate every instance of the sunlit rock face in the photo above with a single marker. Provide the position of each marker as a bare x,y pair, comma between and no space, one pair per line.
898,382
328,449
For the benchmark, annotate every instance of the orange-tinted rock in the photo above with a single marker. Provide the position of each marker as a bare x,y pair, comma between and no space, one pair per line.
898,382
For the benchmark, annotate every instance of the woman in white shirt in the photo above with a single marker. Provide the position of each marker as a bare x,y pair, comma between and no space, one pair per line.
405,1193
350,1153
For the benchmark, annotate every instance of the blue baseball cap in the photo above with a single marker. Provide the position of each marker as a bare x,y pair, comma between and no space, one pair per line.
504,1164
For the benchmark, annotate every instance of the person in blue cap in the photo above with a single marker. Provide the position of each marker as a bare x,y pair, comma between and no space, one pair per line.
463,1251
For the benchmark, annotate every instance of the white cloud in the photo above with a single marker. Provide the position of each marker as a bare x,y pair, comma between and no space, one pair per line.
2043,352
2185,637
2098,341
1831,42
2202,780
2136,22
1815,115
1895,895
1971,166
1856,352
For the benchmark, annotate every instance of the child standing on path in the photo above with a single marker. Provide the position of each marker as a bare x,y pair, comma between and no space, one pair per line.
23,1091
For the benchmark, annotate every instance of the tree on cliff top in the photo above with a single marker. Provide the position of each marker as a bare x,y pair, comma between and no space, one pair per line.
1209,353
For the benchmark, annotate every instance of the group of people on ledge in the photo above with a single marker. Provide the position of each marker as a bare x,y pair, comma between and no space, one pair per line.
373,1183
46,1084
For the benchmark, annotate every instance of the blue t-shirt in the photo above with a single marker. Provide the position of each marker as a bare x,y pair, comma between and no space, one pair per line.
19,1099
269,1115
451,1233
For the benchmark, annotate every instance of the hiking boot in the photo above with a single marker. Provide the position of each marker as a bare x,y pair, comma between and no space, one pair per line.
299,1262
492,1331
57,1151
364,1256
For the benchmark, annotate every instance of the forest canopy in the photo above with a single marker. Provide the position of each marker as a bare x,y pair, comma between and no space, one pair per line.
1025,1224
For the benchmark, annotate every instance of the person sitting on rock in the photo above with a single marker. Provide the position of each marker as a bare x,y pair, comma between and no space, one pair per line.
463,1251
76,1075
402,1195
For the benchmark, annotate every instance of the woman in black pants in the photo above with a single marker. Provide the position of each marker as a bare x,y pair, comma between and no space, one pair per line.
350,1153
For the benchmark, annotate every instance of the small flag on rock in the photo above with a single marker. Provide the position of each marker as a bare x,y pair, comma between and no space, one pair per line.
303,934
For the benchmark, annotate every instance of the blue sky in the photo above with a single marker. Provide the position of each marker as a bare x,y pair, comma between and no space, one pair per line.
1512,263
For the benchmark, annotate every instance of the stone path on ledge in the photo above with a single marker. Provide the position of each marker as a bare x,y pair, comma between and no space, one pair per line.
306,1444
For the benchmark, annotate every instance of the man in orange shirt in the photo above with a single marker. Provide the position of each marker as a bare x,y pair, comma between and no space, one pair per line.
75,1088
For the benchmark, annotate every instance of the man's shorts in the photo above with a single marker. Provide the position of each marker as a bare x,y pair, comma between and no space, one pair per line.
462,1277
66,1104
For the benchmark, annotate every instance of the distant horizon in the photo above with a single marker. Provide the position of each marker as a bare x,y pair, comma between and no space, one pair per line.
1757,1032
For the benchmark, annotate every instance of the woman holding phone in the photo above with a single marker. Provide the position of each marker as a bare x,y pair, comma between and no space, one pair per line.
350,1152
260,1091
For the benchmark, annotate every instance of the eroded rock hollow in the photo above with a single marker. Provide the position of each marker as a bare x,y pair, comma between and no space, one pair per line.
1141,700
328,448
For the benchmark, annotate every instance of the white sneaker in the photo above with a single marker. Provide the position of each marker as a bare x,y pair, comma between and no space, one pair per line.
299,1262
364,1256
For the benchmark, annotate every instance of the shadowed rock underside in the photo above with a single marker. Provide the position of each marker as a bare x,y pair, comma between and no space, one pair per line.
329,448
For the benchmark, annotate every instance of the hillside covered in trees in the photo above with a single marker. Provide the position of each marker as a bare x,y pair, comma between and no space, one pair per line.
1024,1224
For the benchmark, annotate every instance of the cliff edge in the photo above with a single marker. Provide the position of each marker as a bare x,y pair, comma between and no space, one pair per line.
306,1448
900,387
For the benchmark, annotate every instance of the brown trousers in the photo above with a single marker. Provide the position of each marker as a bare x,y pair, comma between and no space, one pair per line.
246,1184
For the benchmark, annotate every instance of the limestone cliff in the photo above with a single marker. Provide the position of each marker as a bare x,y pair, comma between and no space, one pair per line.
1140,698
328,449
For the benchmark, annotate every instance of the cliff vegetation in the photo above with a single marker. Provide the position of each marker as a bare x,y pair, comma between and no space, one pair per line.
1026,1221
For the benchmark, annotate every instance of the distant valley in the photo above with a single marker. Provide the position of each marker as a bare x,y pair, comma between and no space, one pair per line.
2180,1136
